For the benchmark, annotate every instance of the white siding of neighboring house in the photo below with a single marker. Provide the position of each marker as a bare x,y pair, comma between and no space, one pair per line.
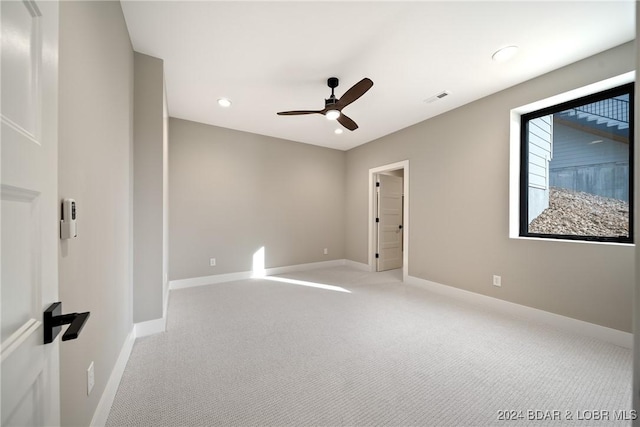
591,163
540,152
574,147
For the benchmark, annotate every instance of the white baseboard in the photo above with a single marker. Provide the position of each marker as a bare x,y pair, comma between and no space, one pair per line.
109,394
165,299
243,275
150,327
613,336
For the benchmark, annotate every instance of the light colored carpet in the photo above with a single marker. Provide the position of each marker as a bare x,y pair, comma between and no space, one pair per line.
265,352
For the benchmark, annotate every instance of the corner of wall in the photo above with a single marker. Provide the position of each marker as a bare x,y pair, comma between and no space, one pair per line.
150,244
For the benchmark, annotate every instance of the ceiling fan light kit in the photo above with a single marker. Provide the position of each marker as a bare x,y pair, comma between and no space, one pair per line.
333,106
332,114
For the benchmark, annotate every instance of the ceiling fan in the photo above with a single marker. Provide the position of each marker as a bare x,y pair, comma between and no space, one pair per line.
333,106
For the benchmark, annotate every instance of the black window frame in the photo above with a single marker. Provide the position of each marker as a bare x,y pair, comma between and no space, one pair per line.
524,162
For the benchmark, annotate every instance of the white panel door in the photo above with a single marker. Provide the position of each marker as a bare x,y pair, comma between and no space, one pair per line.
29,216
389,208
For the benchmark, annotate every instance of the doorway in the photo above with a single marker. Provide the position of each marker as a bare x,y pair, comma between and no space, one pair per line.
389,217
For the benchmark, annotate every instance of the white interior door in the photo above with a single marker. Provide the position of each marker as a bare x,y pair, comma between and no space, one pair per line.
29,216
389,214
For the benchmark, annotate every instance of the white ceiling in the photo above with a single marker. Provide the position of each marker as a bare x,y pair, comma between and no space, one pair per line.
271,56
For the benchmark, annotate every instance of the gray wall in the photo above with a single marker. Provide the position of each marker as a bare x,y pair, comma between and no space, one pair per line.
149,211
459,207
95,134
233,192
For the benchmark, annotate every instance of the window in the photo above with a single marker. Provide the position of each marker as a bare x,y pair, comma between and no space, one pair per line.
576,169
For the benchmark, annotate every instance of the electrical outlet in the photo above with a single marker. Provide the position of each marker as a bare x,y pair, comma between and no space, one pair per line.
212,262
497,280
91,380
326,251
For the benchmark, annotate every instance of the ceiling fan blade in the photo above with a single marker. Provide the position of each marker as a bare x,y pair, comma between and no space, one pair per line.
296,113
356,91
347,122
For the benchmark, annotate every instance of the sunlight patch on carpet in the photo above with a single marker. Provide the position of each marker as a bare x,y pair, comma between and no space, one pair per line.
305,283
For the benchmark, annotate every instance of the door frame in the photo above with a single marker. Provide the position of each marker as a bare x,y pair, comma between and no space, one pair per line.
404,165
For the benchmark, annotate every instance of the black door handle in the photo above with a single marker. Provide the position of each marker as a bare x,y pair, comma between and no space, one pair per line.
54,319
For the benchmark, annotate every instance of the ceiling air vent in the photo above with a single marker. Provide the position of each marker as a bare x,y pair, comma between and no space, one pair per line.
437,97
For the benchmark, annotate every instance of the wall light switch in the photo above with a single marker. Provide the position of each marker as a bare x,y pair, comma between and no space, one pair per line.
326,251
497,280
212,262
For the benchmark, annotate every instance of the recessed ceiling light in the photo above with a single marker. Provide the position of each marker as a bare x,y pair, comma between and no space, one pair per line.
224,102
332,114
338,131
505,53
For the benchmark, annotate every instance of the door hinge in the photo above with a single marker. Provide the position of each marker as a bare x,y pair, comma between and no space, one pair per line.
377,219
377,184
377,255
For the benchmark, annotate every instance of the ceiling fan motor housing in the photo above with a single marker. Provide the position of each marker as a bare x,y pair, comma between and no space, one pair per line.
331,101
332,82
